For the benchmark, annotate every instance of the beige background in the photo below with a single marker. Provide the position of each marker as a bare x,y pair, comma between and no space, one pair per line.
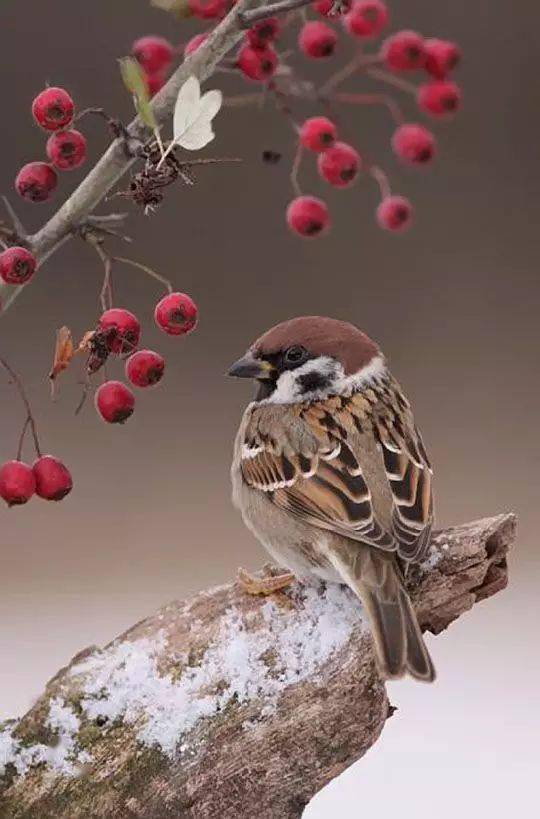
454,304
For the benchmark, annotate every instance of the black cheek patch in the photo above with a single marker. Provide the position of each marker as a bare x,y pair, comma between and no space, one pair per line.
309,382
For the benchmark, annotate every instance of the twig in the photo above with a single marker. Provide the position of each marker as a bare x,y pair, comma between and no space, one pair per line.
392,79
16,222
248,18
22,392
372,99
360,61
297,161
114,163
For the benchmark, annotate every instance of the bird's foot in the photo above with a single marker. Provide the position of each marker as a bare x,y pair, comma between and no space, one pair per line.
263,585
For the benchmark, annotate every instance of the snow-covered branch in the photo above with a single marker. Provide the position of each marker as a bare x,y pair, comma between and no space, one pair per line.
226,705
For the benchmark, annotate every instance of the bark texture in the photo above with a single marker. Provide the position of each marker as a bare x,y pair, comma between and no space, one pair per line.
226,705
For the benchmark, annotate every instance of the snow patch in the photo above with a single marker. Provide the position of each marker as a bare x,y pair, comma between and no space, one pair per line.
243,664
64,757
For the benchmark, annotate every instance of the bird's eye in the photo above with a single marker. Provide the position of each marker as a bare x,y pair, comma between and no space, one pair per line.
294,355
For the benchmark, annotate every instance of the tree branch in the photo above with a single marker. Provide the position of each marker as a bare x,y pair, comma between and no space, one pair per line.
227,705
248,18
114,163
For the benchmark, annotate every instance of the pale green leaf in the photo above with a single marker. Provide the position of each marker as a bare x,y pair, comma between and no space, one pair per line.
135,82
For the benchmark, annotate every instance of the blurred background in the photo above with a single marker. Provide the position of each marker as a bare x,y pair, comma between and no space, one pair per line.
454,304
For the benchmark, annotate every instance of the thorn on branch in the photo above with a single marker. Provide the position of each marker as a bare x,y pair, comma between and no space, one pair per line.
15,235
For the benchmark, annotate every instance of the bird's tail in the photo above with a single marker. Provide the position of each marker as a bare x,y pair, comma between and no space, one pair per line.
376,578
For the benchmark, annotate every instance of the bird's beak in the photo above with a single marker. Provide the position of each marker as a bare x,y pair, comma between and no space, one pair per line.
250,367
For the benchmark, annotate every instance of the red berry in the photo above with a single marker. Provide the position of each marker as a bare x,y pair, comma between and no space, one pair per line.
264,32
324,7
208,9
115,402
154,53
413,144
442,57
439,98
367,18
339,165
395,213
17,483
194,44
317,40
404,51
145,368
122,328
318,134
155,82
17,265
66,150
308,216
53,109
257,63
36,181
53,479
176,314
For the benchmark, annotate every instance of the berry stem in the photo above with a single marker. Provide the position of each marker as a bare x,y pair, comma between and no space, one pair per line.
22,392
297,161
359,62
18,457
391,79
381,179
148,270
373,99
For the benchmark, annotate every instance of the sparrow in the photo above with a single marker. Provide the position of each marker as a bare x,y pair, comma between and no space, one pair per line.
330,474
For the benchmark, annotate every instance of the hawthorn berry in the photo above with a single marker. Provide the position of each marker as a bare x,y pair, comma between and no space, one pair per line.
36,181
442,56
145,368
176,314
318,134
154,53
257,63
53,109
324,7
367,18
114,402
66,150
439,98
17,483
395,213
53,478
404,51
17,265
155,82
264,32
413,144
122,330
308,216
193,44
208,9
317,39
339,165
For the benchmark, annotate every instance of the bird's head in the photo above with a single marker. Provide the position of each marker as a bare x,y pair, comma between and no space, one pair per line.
310,358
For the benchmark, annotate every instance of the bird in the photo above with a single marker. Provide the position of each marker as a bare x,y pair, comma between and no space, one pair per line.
330,474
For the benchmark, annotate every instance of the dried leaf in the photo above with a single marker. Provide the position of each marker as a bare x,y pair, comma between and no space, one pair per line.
63,352
135,81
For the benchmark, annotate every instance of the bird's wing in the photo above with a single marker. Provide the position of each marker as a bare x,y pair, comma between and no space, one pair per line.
307,459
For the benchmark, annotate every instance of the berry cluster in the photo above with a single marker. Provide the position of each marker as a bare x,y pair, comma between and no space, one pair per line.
53,110
118,333
48,478
339,163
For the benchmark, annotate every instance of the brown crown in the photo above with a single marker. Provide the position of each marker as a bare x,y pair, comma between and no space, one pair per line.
320,336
